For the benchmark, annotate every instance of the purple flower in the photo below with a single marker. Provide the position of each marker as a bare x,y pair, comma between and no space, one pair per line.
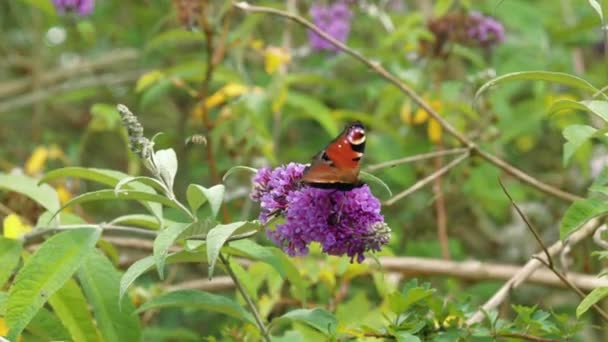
485,30
334,20
343,222
82,7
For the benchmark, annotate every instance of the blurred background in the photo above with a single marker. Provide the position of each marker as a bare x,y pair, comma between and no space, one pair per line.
273,93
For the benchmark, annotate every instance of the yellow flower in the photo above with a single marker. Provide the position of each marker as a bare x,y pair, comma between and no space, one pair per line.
434,131
14,228
36,161
228,91
275,58
64,194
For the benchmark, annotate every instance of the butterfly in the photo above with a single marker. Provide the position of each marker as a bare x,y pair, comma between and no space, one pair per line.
337,165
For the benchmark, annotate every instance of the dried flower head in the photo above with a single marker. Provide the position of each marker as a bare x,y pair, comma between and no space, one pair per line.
334,20
343,222
82,7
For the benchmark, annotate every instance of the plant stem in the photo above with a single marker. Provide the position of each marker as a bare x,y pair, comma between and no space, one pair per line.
250,304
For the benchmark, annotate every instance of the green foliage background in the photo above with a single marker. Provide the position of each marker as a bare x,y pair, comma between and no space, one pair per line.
61,77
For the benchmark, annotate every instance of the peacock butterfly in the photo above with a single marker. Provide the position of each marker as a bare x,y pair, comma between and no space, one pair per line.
337,165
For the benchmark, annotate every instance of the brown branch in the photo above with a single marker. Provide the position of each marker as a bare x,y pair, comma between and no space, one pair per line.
381,71
118,57
423,182
529,268
411,159
442,222
106,80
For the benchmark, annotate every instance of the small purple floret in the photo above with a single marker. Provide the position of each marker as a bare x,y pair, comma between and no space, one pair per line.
82,7
334,20
343,222
486,30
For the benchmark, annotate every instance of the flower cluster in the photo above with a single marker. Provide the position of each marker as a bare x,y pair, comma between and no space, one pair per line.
343,222
333,19
485,30
82,7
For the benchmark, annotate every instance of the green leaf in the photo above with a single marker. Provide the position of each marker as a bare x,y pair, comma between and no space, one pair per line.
310,107
45,272
273,257
101,195
175,37
10,253
115,318
47,327
576,136
598,8
217,237
199,300
106,177
149,181
592,298
400,303
549,76
143,265
164,240
368,177
70,305
197,196
597,108
579,213
319,319
42,194
238,168
404,336
139,220
166,163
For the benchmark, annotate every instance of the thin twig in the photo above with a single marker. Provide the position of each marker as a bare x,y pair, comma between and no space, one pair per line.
442,222
423,182
528,223
248,300
529,268
411,159
597,237
381,71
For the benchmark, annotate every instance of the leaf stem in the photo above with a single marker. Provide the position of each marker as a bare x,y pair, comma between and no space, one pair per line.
250,304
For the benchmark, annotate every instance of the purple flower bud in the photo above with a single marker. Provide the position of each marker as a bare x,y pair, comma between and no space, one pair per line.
82,7
343,222
334,20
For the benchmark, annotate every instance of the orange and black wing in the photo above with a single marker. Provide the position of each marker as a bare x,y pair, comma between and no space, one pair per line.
337,166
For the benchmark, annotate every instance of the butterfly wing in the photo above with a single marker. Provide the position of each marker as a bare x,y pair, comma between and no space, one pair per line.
337,166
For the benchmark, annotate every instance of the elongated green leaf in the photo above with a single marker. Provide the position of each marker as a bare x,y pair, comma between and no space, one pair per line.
580,212
106,177
47,327
549,76
275,258
216,238
100,195
576,136
166,163
238,168
144,265
309,107
597,7
139,220
163,241
100,280
42,194
197,196
597,108
369,178
592,298
319,319
149,181
175,37
10,253
70,305
199,300
45,272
